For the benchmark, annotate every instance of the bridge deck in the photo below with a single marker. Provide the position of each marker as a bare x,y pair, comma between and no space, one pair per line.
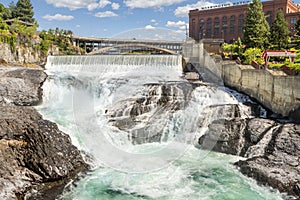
94,44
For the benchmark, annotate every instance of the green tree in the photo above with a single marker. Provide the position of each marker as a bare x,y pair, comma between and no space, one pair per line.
3,25
12,9
253,54
256,28
297,28
24,11
239,47
280,31
4,12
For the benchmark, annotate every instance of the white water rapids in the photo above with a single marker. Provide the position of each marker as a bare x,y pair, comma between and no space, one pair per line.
138,121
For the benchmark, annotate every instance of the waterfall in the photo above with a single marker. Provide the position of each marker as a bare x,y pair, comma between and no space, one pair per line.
115,63
139,121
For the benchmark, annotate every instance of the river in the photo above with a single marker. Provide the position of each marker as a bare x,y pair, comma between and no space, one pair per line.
137,121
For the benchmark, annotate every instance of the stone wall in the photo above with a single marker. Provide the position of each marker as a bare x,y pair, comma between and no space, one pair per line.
274,89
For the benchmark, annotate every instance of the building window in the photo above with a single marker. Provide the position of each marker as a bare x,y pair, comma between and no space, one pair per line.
209,23
231,30
193,28
201,34
202,27
201,24
217,22
293,20
232,24
232,20
241,20
269,17
216,31
208,33
224,21
224,32
241,29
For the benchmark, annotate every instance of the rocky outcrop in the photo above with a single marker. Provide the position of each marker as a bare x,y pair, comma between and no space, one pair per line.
144,117
37,159
33,151
278,164
272,150
21,86
22,54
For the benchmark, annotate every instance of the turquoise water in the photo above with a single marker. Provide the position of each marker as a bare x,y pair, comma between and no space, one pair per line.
171,169
212,178
197,174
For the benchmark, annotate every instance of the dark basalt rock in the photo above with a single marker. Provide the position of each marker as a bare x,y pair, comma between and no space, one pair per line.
279,166
224,136
37,159
272,149
34,152
295,115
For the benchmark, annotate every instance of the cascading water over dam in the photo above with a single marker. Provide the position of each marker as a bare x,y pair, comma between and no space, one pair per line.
139,121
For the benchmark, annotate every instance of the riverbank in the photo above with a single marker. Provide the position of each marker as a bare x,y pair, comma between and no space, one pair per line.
271,148
37,158
46,163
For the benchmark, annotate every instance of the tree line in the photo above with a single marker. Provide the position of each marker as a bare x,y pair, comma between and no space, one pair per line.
259,35
22,30
23,11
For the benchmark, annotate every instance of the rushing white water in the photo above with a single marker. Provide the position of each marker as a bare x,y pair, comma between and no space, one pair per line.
110,114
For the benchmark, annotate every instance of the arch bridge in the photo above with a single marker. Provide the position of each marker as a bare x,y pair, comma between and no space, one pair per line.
123,46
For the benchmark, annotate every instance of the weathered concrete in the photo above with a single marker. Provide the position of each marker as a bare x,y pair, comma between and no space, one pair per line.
276,91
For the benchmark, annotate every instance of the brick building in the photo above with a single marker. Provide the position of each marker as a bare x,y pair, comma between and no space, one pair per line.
226,21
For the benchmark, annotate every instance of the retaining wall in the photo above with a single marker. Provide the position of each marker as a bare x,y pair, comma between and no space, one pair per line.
274,89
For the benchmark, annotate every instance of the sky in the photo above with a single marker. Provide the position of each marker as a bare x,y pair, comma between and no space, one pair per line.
139,19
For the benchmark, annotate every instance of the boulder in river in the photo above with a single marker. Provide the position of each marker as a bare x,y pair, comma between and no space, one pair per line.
272,149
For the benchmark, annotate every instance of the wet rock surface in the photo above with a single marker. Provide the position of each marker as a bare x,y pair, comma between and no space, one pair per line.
272,149
279,164
37,159
154,105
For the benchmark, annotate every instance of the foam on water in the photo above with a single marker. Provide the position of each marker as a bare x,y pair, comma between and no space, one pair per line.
77,102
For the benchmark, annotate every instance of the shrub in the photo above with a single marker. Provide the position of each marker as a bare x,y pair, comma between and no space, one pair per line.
253,54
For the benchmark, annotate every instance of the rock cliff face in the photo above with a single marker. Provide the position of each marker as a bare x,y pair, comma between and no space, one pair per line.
272,149
34,154
21,55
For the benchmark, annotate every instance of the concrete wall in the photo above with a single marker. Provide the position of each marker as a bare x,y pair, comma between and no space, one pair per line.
276,91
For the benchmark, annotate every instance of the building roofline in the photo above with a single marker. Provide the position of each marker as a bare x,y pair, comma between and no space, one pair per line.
20,21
